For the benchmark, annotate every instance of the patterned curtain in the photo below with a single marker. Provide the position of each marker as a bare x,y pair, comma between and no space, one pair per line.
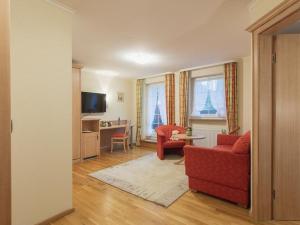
231,95
139,107
170,98
183,98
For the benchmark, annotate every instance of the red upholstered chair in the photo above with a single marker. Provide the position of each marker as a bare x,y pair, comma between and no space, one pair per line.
164,143
222,171
121,138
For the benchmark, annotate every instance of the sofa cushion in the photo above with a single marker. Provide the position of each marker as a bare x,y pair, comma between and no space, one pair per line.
226,148
174,144
242,145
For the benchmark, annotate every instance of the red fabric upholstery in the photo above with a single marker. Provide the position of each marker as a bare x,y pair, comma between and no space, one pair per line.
227,148
164,134
241,146
219,171
118,135
220,191
174,144
223,139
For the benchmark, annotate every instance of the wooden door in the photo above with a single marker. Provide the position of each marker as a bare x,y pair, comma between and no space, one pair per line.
286,141
5,128
76,112
90,144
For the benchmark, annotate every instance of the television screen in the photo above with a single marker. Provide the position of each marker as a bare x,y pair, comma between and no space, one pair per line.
93,102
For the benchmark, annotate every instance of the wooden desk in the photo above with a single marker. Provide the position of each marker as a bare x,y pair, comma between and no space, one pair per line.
92,131
114,127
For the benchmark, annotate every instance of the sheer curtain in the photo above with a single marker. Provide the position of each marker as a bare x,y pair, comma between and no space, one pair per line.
155,108
209,97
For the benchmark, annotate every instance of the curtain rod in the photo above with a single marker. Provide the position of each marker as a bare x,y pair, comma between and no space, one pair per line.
188,69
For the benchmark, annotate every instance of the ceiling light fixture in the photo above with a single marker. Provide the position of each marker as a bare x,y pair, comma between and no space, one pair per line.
141,58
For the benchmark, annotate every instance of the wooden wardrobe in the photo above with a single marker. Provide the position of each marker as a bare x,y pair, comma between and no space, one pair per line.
76,123
5,122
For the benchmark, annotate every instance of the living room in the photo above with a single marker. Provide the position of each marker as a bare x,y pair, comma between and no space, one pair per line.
155,112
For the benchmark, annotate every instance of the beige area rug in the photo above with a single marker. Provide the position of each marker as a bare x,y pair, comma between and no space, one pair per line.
159,181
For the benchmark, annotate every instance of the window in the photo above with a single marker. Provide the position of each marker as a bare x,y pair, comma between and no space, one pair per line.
209,97
155,108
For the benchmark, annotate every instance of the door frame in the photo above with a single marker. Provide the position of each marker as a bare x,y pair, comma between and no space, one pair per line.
262,31
5,121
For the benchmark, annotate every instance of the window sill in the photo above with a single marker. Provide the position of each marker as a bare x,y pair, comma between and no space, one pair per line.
207,118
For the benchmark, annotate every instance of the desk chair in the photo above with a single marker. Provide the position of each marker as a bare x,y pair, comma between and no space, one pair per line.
121,138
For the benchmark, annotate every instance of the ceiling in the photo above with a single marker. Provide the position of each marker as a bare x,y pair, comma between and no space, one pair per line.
179,33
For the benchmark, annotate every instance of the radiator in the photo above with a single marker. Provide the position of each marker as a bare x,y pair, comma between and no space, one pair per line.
210,136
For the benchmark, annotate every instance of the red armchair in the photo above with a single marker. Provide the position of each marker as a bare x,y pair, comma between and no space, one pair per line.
164,143
223,171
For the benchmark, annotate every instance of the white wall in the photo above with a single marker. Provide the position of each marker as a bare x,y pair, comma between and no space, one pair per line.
245,93
41,80
110,85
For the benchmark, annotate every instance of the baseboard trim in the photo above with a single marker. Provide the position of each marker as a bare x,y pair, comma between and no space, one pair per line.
56,217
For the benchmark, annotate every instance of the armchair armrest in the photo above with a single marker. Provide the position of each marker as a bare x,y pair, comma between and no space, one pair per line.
220,167
160,133
224,139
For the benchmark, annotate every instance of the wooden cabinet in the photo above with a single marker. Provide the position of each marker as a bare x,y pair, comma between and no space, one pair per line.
76,114
90,144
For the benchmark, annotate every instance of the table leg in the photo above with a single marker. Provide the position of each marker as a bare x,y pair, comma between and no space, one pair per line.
131,138
189,141
181,161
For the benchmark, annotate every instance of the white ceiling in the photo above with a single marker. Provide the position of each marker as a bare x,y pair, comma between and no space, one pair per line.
183,33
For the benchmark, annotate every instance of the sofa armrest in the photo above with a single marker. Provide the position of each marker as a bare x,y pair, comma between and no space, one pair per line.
224,139
219,167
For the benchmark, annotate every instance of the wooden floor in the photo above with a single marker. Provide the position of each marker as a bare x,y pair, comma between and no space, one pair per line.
97,203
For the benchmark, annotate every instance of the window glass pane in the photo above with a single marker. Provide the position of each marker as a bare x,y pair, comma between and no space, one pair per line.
209,97
155,108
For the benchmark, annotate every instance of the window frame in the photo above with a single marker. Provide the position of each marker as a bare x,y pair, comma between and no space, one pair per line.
191,97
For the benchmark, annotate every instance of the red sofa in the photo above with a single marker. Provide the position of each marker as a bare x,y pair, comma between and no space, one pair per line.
164,143
223,171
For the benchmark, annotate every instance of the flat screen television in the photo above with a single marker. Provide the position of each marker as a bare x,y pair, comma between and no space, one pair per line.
93,102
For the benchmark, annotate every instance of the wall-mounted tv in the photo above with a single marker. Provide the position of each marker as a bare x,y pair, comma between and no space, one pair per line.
93,102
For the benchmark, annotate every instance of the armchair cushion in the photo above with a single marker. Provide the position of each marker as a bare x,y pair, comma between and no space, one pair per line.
118,135
174,144
242,145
